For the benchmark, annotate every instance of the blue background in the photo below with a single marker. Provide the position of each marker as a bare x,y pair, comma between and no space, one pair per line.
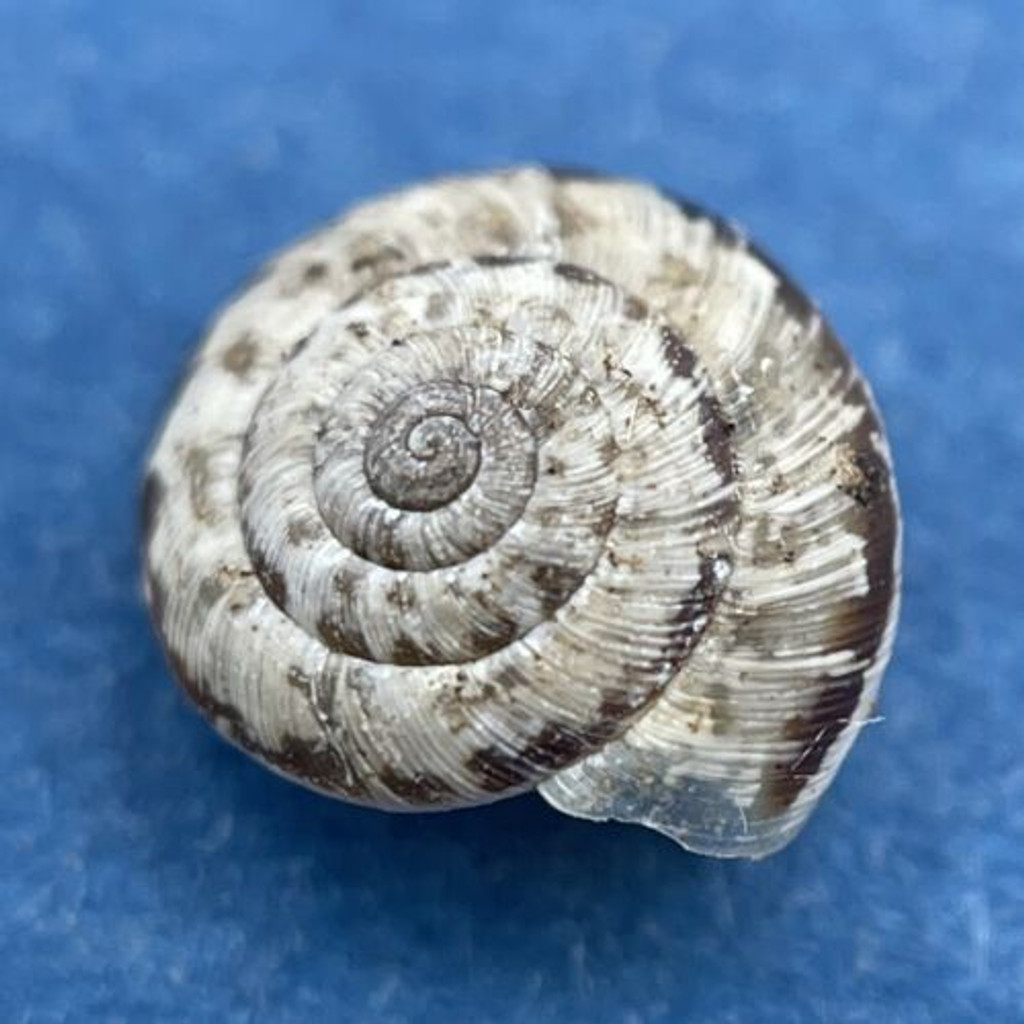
151,154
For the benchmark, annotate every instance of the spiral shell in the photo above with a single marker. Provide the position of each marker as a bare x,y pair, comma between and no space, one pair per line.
530,480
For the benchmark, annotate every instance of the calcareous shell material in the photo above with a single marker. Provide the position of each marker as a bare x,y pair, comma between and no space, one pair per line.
530,480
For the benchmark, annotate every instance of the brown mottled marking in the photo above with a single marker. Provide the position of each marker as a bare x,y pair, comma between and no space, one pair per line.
573,219
497,770
580,275
316,271
556,583
240,357
546,421
508,678
634,308
768,550
481,693
338,640
317,763
241,604
863,477
375,259
605,521
504,630
678,354
617,704
406,651
615,713
400,595
456,703
552,748
432,267
344,585
549,517
221,712
686,627
274,583
359,329
495,260
717,433
419,789
816,731
306,529
300,679
496,223
609,450
197,469
719,709
154,491
217,710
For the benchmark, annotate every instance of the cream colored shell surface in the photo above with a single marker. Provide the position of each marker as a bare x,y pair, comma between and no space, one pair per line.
530,480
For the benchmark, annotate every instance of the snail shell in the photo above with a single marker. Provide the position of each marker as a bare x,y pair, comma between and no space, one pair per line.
530,480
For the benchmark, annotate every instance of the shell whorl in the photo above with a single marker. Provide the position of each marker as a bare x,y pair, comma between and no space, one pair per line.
530,480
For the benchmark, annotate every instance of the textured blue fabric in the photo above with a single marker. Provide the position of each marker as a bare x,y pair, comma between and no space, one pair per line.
151,154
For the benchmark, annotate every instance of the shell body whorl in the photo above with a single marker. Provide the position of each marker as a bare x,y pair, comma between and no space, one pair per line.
530,480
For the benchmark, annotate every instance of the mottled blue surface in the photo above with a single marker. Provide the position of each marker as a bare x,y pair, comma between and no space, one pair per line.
150,154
